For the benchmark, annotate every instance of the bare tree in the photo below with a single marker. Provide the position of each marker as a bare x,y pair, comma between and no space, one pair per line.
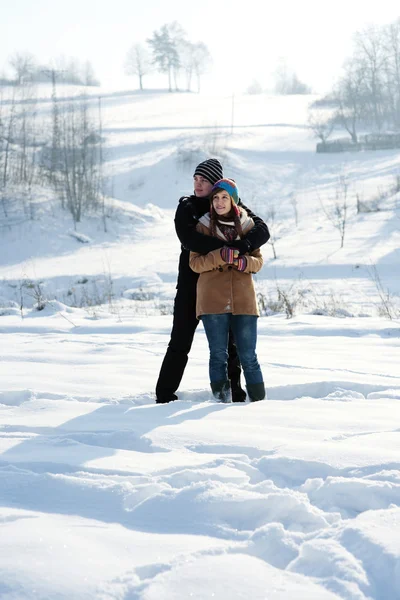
26,134
72,167
320,124
24,64
178,36
187,60
293,202
55,155
370,52
271,218
287,81
80,171
368,93
18,148
254,88
100,168
88,76
201,61
336,211
9,131
387,307
138,62
2,156
2,125
281,77
392,49
70,70
350,98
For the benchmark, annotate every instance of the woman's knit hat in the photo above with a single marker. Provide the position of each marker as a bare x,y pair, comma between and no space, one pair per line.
210,169
229,186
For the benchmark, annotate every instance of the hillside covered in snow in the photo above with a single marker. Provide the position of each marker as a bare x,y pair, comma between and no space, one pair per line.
106,495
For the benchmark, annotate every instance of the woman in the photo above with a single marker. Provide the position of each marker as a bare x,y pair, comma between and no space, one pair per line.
225,292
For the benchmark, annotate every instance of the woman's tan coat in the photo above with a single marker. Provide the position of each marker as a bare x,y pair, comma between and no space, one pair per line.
221,288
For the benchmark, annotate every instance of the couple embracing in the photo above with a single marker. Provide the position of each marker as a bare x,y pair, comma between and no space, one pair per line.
221,240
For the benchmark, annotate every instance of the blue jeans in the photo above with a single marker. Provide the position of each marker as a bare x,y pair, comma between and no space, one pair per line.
244,328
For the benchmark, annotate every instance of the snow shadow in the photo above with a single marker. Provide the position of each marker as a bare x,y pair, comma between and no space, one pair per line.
58,464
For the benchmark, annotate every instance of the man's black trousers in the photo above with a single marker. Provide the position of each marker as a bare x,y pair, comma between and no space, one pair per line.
176,357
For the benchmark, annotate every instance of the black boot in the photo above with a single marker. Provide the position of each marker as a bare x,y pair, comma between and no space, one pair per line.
238,393
165,399
221,390
234,371
256,391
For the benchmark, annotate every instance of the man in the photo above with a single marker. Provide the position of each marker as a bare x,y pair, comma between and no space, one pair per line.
189,211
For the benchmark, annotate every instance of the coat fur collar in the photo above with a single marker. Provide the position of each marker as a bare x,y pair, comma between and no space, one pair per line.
245,221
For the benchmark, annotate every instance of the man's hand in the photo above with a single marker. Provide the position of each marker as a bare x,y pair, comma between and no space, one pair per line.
242,245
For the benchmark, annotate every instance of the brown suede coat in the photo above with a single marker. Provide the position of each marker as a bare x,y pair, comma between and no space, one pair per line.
221,288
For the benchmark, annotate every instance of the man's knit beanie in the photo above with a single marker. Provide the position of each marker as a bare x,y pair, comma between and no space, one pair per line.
210,169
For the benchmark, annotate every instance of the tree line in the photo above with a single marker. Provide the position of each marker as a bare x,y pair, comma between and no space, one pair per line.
62,150
368,92
169,51
26,69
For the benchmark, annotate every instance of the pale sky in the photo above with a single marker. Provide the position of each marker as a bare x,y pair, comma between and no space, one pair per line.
246,38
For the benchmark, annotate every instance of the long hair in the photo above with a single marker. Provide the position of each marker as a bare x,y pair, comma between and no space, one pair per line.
232,216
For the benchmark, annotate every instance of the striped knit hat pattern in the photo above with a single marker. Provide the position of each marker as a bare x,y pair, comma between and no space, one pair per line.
210,169
229,186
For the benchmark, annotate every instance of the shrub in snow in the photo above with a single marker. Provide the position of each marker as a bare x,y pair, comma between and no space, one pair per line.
389,305
156,212
139,294
34,289
80,237
136,184
332,312
188,157
8,307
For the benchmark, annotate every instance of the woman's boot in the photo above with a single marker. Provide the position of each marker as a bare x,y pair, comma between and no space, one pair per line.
256,391
221,390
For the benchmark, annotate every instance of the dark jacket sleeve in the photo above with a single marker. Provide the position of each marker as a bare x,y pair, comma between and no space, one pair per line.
259,234
185,226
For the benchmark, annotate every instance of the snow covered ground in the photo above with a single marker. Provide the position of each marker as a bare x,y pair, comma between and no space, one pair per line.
104,494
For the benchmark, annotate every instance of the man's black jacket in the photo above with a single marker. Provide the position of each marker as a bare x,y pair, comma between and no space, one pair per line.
189,211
